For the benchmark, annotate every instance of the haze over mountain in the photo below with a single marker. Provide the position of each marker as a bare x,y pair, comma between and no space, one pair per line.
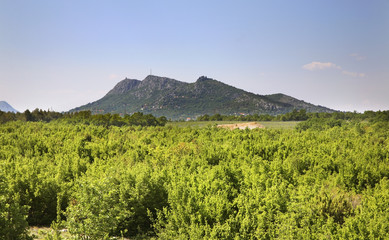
5,107
174,99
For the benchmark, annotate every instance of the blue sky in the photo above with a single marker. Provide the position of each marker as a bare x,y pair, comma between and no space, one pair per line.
63,54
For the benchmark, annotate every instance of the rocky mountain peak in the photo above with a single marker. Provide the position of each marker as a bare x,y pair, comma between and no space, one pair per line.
203,79
159,83
5,107
162,96
124,86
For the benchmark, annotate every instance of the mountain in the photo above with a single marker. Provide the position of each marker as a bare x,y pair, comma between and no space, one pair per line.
174,99
5,107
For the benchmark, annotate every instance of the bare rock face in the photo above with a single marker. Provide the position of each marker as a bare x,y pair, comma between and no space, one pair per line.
124,86
160,83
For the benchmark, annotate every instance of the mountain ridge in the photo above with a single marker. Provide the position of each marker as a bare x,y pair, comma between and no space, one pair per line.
162,96
5,107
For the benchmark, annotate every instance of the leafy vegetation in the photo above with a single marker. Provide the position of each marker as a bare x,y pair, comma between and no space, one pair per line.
84,117
327,178
299,115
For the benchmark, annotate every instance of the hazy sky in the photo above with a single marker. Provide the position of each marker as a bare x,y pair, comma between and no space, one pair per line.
63,54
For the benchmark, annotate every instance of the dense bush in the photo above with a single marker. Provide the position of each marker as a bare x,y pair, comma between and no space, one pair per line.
325,179
13,224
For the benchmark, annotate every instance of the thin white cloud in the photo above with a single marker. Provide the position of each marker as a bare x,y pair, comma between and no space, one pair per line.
320,66
357,57
353,74
313,66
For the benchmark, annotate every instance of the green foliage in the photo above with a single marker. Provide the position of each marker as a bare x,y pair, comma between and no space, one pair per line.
110,201
319,124
294,115
97,208
302,115
326,179
371,219
85,117
13,224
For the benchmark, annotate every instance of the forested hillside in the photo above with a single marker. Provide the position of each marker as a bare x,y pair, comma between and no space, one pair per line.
326,179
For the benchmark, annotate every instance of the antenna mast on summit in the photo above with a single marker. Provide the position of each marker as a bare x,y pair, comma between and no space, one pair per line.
151,71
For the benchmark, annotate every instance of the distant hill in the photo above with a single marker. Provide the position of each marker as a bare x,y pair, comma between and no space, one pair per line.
174,99
5,107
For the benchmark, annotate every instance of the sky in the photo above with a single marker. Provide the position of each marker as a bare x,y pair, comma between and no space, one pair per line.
59,55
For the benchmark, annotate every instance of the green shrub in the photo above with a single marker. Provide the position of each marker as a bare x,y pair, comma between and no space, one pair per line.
13,224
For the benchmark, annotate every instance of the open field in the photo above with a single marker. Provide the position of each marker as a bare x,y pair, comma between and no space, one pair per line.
266,124
242,126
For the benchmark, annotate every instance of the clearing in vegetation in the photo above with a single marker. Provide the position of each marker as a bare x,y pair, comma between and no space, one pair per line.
250,125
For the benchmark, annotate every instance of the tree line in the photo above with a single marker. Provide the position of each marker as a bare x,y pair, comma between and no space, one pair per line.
84,117
140,119
298,115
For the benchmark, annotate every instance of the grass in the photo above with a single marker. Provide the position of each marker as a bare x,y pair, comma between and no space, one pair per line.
42,233
47,233
280,125
201,124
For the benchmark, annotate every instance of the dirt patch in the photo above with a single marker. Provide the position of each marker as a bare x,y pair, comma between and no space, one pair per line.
250,125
